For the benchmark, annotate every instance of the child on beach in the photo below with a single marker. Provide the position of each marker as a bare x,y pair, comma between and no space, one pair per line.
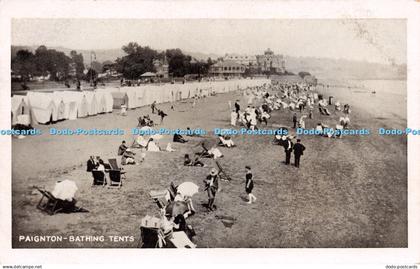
162,115
249,185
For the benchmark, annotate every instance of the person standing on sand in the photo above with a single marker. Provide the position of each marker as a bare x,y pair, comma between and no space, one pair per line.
288,148
162,115
153,106
211,186
294,120
249,185
298,150
237,108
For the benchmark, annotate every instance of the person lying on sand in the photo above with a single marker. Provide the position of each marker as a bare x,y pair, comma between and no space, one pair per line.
189,162
179,139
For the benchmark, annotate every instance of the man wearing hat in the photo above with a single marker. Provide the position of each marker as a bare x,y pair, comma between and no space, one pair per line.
211,186
288,148
298,149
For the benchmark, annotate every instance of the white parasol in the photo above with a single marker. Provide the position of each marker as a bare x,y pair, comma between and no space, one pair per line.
187,189
65,190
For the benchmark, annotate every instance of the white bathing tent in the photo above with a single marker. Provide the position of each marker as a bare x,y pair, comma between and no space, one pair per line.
43,109
72,102
91,102
20,106
76,107
106,100
131,95
83,107
61,104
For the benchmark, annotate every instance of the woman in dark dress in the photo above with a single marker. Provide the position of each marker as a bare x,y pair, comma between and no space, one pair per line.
249,185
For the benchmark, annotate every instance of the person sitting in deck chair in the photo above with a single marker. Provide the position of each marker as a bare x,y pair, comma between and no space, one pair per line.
101,167
179,224
92,164
128,157
178,138
226,141
189,162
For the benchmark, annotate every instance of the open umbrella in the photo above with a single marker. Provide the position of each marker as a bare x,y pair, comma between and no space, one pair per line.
65,190
187,189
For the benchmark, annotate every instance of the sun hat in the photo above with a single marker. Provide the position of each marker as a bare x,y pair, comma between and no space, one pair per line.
213,172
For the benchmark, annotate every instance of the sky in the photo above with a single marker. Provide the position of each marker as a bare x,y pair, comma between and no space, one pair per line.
373,40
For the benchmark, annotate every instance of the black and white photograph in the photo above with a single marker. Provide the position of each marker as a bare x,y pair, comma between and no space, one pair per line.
209,133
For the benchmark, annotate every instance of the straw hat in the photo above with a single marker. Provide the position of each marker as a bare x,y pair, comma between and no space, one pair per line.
213,172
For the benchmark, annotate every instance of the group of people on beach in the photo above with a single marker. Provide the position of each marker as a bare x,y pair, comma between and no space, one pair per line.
261,102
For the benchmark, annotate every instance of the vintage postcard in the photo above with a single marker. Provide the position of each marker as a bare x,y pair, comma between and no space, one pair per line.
212,125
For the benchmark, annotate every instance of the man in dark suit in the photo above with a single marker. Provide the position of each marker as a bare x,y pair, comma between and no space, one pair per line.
288,148
298,150
237,108
294,120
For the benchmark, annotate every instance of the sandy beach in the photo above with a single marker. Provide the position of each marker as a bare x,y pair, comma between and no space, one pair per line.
349,192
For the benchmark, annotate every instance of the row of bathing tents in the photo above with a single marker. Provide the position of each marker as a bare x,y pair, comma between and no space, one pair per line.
45,107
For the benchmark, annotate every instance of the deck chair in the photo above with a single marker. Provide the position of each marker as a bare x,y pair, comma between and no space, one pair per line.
114,166
222,173
115,179
161,198
180,240
204,153
51,205
98,178
172,190
151,238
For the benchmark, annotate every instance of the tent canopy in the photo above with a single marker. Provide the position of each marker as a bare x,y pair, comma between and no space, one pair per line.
148,74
